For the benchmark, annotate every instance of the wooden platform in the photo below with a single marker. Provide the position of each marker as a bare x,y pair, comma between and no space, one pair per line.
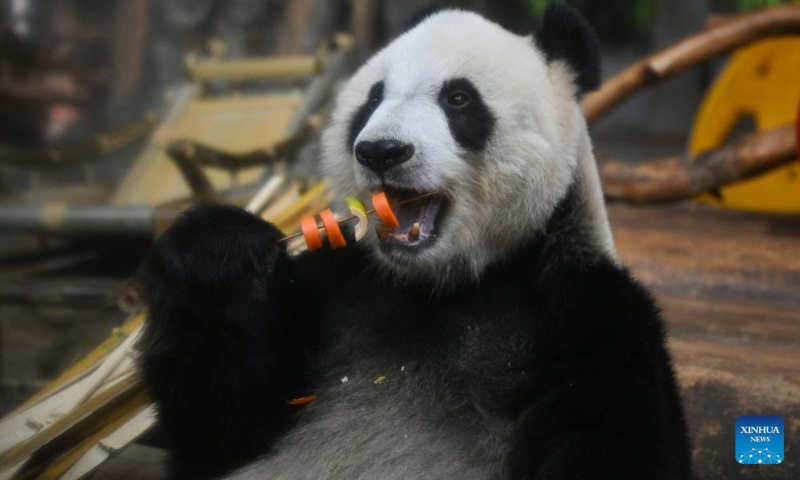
729,285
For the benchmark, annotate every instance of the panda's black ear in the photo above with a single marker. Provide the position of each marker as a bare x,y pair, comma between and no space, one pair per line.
567,36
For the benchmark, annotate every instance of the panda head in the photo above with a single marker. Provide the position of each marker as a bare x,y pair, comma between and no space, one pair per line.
486,119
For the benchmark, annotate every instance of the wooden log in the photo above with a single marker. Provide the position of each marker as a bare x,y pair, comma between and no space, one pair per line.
722,37
681,177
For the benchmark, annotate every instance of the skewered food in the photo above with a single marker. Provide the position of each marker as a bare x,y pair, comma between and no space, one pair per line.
335,237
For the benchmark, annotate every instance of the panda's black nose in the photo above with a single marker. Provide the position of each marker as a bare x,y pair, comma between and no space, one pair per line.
382,155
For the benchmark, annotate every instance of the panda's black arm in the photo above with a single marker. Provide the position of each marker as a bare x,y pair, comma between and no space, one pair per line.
225,344
606,404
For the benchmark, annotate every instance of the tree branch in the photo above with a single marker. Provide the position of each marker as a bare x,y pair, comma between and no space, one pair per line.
721,37
184,155
680,177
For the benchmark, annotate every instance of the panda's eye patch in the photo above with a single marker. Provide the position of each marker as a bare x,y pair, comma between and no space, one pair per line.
361,117
470,119
376,93
458,99
459,95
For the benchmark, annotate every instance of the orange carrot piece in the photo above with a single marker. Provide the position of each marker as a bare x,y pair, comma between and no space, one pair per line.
311,233
381,204
302,400
335,237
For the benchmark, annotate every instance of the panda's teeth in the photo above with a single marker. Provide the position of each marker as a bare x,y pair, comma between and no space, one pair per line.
413,234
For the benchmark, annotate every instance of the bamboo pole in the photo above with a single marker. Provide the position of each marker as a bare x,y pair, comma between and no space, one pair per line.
117,337
85,415
286,217
253,68
78,220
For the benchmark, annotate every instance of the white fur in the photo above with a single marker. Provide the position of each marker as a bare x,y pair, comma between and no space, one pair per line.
575,133
508,192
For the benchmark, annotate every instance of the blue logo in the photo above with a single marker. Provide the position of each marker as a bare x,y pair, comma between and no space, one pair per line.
759,439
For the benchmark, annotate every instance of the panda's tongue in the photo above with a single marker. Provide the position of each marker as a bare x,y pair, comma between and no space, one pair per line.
417,219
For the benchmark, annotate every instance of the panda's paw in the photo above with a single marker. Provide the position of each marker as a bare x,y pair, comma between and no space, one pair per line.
213,260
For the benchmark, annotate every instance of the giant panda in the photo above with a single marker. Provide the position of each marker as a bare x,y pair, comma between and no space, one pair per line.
500,339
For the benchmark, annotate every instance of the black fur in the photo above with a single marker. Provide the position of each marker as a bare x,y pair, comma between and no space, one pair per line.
567,36
361,117
556,340
471,124
222,351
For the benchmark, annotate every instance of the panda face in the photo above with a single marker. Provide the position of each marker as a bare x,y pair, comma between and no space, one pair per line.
464,109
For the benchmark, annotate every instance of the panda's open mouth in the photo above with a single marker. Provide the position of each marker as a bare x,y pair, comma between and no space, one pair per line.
419,219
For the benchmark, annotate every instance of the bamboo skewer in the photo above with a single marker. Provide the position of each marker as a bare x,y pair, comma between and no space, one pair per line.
352,217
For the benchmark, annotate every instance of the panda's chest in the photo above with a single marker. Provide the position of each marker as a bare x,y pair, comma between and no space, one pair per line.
473,348
482,334
391,415
393,425
397,425
409,388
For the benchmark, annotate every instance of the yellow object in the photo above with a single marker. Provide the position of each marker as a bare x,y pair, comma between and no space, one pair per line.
89,361
288,220
232,124
114,421
761,81
358,209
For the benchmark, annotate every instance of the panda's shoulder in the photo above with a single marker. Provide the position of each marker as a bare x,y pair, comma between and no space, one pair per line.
604,293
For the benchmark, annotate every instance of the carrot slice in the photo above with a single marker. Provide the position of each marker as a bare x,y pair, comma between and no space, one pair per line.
302,400
311,233
335,237
381,204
